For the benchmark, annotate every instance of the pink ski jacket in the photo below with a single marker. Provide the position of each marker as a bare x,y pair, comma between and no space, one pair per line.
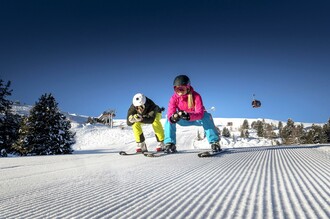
178,102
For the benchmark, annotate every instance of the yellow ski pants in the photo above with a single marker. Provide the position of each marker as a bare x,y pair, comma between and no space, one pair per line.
156,125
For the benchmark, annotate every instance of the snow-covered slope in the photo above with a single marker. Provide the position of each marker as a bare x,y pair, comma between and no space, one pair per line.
121,136
260,182
98,136
251,179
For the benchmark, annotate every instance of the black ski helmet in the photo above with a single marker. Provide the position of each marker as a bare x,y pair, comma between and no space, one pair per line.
181,80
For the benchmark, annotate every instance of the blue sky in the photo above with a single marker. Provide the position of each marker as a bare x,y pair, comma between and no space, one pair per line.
95,55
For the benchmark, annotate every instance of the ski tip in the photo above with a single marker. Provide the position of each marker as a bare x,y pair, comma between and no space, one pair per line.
122,153
210,153
204,154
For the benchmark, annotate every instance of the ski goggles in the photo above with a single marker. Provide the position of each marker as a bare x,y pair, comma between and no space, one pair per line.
181,88
140,108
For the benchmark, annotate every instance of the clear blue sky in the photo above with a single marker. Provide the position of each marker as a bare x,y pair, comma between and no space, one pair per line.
94,55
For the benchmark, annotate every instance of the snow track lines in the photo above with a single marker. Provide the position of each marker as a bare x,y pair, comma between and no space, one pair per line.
261,182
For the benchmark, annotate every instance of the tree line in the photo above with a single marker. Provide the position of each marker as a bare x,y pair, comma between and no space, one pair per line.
44,131
290,133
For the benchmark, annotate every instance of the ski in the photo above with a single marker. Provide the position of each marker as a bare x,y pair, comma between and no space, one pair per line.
154,154
209,153
158,154
147,154
124,153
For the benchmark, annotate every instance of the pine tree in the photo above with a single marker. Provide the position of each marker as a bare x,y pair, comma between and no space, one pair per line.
280,126
225,132
46,130
5,105
242,133
260,128
22,145
309,137
245,133
244,129
288,133
319,137
9,123
269,131
326,130
9,128
300,134
245,124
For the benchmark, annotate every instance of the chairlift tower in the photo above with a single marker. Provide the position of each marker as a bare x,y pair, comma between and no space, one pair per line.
111,113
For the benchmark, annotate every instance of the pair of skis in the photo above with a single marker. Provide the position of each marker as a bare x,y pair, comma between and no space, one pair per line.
159,154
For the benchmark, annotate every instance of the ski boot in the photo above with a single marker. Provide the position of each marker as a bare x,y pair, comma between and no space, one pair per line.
141,147
215,146
170,148
160,146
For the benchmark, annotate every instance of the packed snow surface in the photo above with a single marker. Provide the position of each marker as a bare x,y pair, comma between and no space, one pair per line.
252,178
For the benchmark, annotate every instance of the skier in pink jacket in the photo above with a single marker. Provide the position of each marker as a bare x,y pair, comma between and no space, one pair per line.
186,108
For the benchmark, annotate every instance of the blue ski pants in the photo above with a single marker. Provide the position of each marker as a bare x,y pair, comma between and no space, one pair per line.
211,132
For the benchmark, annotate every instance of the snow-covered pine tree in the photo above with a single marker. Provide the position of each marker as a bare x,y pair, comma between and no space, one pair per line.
269,131
326,130
245,124
46,130
225,132
5,105
318,134
280,126
22,145
259,126
244,129
300,134
244,133
9,128
9,122
288,133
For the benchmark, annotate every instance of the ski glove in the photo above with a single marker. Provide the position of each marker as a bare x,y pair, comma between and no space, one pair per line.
135,118
175,118
184,115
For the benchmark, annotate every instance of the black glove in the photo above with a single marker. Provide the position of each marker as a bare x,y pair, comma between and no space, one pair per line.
184,115
175,118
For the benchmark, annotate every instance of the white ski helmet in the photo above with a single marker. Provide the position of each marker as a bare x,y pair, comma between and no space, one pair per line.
139,99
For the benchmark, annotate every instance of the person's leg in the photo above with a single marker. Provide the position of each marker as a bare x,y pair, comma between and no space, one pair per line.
158,128
211,132
159,132
138,133
170,132
139,137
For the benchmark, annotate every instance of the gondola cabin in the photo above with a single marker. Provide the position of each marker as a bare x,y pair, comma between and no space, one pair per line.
256,104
